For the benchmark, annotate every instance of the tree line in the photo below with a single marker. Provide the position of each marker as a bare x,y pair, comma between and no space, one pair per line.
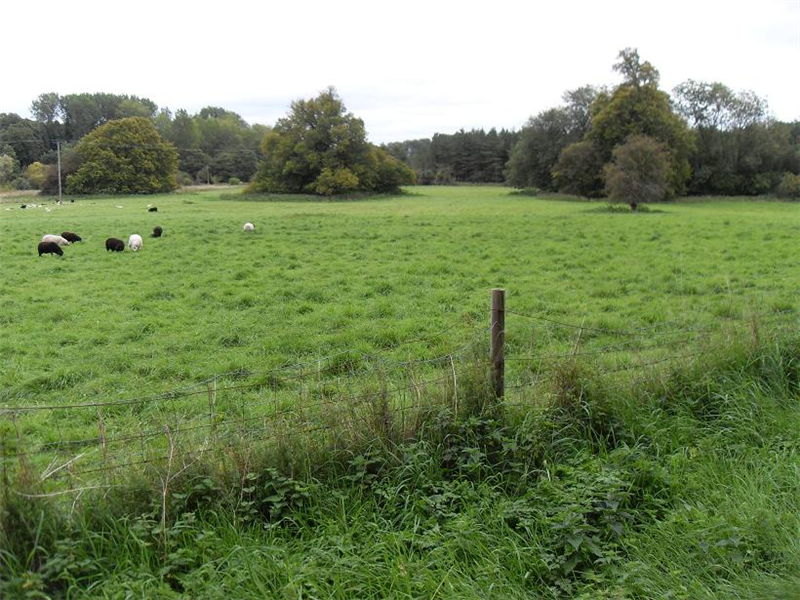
716,141
703,138
125,145
474,156
213,145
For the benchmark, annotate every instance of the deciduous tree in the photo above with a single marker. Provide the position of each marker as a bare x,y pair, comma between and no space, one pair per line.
35,174
320,148
543,138
579,170
638,172
126,156
9,169
638,107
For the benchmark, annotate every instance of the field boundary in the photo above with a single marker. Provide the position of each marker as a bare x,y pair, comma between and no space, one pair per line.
345,396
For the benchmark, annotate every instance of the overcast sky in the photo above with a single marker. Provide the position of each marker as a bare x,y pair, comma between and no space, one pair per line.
409,69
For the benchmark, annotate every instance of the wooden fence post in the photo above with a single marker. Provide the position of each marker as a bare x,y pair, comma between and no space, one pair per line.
498,341
3,469
212,407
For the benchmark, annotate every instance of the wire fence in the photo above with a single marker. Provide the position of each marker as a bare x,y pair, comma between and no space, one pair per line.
68,447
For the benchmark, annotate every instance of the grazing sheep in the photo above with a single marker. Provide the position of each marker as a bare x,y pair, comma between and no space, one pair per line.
157,231
115,245
249,227
71,237
135,242
50,248
152,209
55,238
23,206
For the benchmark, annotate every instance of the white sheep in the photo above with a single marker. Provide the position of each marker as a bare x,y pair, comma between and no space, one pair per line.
135,242
249,227
55,238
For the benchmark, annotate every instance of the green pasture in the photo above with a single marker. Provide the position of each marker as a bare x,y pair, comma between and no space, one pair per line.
680,485
403,278
321,277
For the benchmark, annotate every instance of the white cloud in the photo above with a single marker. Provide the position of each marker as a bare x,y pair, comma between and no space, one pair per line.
409,69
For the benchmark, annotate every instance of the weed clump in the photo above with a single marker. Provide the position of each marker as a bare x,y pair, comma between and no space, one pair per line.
582,405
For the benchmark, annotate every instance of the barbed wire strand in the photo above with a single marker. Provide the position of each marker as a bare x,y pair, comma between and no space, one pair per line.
638,365
51,447
186,391
627,347
343,401
621,332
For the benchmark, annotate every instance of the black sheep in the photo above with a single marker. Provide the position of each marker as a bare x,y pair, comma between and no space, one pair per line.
50,248
152,209
23,206
115,245
71,237
157,231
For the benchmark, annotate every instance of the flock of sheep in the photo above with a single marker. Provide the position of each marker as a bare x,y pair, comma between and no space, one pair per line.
52,244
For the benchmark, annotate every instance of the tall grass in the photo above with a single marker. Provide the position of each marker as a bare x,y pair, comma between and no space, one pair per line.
678,482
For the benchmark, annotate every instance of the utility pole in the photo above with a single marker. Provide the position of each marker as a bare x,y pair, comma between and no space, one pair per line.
58,151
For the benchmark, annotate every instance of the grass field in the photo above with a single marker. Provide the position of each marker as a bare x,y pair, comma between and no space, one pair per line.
322,277
407,278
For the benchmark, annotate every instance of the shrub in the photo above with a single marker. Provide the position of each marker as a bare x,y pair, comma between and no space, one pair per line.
22,183
234,181
183,178
579,170
9,168
70,162
332,182
639,172
789,187
390,173
528,191
444,176
35,174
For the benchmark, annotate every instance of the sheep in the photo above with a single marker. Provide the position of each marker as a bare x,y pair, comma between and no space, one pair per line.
157,231
249,227
135,242
50,248
55,238
152,209
115,245
71,237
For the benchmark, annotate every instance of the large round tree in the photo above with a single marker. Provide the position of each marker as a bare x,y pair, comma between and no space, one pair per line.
126,156
320,148
638,108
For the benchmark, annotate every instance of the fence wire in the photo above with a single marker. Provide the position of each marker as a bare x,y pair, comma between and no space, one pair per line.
243,410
